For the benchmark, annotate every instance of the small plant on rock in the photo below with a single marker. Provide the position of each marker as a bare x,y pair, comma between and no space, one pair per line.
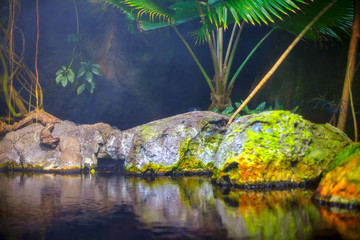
229,110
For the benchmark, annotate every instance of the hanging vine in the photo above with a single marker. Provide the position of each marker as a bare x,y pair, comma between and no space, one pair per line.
20,88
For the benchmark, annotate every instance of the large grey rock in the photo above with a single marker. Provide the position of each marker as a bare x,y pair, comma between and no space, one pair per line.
185,143
78,148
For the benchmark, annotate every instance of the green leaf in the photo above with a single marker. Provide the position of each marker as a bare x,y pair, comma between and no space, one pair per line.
89,76
64,68
294,110
277,104
71,76
260,107
85,64
95,68
237,104
59,72
80,89
81,71
93,84
64,81
94,65
215,110
227,111
92,87
58,78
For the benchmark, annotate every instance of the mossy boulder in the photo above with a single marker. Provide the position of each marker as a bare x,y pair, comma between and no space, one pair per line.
185,143
341,184
276,147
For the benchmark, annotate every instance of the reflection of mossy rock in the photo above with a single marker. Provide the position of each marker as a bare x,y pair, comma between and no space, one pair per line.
182,143
267,214
276,147
345,221
342,183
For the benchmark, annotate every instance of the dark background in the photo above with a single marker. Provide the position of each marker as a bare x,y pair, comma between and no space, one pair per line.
151,75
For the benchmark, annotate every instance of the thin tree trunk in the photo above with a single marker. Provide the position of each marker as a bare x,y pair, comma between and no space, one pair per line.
280,60
350,69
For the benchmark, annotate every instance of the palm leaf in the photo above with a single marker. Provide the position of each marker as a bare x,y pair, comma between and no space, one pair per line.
253,11
336,22
184,11
141,8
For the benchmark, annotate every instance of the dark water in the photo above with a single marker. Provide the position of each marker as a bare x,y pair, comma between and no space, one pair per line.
108,206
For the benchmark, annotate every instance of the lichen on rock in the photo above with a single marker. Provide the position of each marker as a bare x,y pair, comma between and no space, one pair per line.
276,147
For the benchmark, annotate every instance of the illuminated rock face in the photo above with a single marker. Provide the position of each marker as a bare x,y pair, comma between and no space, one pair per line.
270,147
276,148
185,143
341,184
78,148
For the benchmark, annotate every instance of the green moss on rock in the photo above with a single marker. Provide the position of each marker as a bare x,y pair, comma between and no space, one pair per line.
341,184
276,146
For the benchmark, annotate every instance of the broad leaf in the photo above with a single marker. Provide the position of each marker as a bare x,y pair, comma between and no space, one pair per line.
91,87
58,78
64,81
336,22
59,72
80,89
64,68
260,107
81,70
95,68
227,110
71,76
89,77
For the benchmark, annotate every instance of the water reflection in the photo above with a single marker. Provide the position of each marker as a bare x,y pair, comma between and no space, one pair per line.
51,206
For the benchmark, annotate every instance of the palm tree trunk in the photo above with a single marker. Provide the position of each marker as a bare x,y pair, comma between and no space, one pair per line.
280,60
350,69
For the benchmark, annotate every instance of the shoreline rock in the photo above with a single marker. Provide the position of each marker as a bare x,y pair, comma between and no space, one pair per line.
341,184
274,148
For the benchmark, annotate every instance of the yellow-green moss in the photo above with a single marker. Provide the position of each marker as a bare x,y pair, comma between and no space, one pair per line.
9,164
33,166
273,139
147,133
344,155
342,183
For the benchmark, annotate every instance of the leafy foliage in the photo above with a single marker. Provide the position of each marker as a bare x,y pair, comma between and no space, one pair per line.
218,12
65,75
85,72
229,111
333,24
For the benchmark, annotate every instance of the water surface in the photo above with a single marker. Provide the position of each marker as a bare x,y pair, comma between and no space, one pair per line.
109,206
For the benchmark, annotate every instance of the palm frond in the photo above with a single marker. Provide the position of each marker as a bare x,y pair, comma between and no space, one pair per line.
252,11
184,11
155,10
335,23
